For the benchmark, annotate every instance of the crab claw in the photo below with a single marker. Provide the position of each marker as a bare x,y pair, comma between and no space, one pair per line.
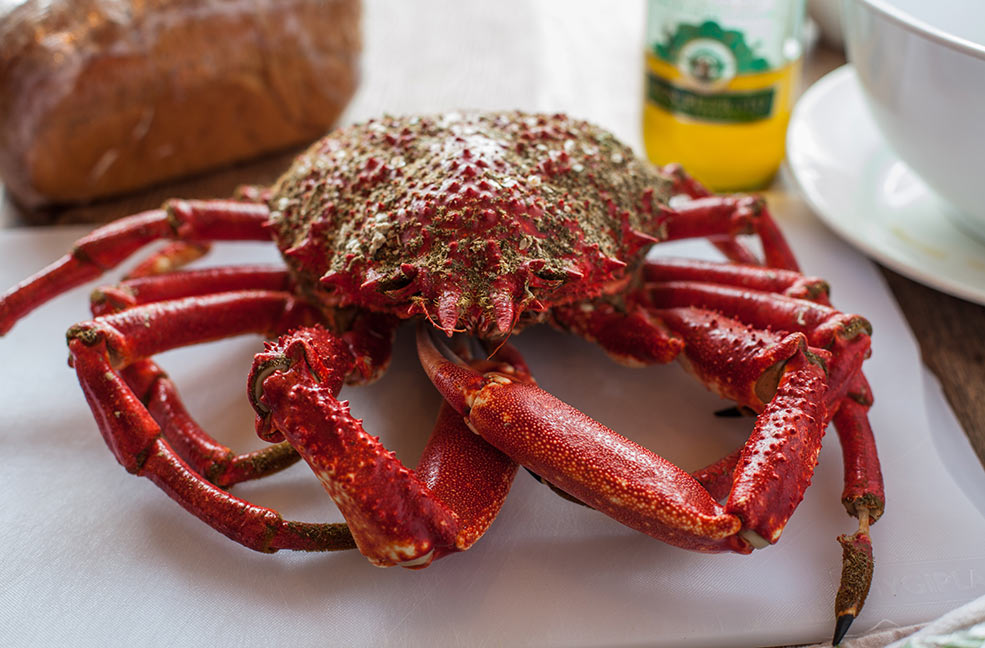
582,457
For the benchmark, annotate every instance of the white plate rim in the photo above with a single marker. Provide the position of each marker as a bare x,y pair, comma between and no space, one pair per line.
800,164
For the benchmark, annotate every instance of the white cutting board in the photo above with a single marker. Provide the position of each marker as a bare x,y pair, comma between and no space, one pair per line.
94,556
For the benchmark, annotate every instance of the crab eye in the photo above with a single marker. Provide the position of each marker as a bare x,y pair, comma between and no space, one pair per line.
395,282
549,274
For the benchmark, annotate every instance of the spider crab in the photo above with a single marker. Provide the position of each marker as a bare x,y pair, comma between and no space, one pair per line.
482,224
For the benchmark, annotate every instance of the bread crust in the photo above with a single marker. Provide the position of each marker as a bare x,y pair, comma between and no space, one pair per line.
102,97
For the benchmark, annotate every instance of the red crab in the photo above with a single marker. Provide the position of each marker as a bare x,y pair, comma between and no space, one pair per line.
482,224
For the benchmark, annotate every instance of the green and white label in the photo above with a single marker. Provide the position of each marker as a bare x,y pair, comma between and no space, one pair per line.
761,34
709,54
712,42
731,107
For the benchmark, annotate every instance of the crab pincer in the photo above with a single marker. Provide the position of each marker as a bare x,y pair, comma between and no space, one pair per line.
630,483
396,515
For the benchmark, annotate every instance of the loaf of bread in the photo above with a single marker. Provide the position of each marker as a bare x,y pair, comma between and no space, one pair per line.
102,97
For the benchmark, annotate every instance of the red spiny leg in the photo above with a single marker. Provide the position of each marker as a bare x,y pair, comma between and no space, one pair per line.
180,253
582,457
770,373
848,402
845,336
802,306
206,456
189,283
172,256
754,277
722,218
774,374
397,516
143,331
863,498
99,348
211,459
633,339
729,357
107,246
822,324
864,492
717,477
863,495
777,376
780,313
778,460
776,250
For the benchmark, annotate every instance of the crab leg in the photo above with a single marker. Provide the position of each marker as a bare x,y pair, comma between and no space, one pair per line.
209,458
454,462
717,477
215,461
141,332
845,335
863,477
633,339
171,257
188,283
776,250
778,376
777,462
397,516
823,325
863,498
107,246
863,494
847,338
749,375
754,277
99,348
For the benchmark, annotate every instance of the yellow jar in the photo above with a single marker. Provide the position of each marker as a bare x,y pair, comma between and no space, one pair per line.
721,78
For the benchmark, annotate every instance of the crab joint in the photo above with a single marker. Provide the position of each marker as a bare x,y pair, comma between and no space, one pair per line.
421,561
94,333
260,373
754,539
486,393
85,333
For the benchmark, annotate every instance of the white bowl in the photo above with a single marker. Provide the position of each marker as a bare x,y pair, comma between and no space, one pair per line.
922,69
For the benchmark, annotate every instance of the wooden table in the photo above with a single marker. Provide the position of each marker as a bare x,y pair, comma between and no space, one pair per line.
951,332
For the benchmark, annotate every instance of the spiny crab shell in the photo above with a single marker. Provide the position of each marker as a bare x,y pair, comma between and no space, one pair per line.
480,222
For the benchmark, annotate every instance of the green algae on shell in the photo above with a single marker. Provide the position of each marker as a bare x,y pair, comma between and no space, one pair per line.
468,218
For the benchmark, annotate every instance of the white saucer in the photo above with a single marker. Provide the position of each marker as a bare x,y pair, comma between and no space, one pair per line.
862,191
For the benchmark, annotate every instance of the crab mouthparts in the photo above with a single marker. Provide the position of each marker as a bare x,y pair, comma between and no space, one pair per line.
492,315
